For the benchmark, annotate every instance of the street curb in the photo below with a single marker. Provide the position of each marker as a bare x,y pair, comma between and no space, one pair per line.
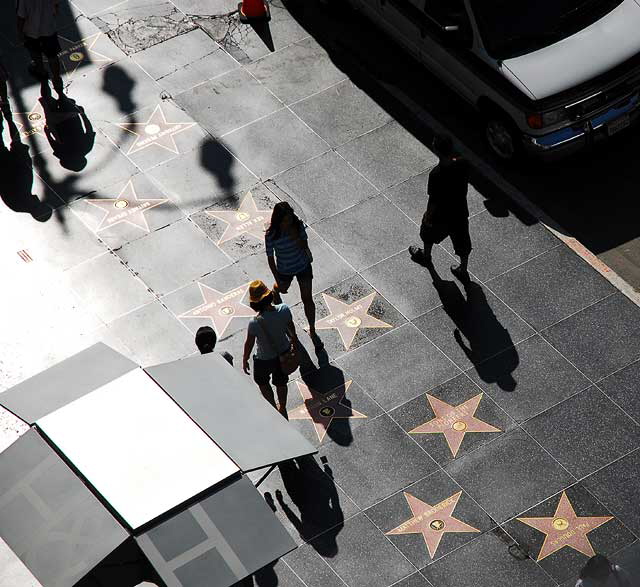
517,196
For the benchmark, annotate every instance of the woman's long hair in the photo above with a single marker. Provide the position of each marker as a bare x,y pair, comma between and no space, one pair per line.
597,567
280,210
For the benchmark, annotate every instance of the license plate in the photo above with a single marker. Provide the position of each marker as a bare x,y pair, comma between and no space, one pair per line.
618,124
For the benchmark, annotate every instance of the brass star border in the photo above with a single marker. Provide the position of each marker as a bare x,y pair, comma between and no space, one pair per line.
247,219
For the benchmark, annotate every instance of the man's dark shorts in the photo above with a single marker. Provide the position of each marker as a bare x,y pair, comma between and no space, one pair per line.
304,275
459,233
49,46
263,369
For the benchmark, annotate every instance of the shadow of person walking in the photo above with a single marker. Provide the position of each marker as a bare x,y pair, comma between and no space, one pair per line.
219,162
475,321
119,85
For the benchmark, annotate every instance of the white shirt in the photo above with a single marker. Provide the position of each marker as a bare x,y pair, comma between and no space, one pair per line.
39,16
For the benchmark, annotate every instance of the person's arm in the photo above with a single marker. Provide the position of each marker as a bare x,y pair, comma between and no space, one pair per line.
291,329
248,347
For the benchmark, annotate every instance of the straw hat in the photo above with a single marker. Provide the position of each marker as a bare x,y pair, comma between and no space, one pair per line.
258,291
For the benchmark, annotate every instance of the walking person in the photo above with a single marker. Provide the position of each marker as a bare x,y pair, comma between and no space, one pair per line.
289,256
274,332
599,571
447,212
37,30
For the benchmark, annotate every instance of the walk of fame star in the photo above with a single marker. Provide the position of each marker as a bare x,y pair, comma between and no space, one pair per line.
247,219
35,121
349,318
78,52
127,207
564,528
323,408
155,131
454,421
221,307
432,521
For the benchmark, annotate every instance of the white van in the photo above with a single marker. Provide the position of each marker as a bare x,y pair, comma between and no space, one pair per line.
550,77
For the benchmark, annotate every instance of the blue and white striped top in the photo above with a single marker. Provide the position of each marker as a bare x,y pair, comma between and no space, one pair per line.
290,258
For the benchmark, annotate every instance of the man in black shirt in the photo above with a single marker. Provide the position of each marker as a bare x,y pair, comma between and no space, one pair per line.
447,213
206,339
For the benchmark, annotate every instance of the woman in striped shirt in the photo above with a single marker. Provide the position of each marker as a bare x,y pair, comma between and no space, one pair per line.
289,256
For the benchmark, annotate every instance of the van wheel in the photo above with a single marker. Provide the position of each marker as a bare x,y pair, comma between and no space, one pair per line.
502,138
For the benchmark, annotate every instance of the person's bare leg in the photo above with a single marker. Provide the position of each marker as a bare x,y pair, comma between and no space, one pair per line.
281,390
54,65
306,293
267,393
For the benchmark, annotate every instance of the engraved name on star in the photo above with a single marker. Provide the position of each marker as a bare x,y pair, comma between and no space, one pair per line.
247,219
221,307
155,131
454,421
564,528
75,53
323,408
127,207
432,521
35,121
349,318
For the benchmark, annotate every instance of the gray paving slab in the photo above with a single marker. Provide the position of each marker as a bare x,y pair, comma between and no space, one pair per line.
368,232
387,155
562,431
341,113
229,101
550,287
622,388
365,557
297,71
274,144
589,340
307,564
528,378
510,473
434,490
321,187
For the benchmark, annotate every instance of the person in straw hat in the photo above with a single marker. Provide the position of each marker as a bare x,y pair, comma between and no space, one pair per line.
273,331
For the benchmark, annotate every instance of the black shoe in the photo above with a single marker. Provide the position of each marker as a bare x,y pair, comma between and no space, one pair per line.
418,256
460,273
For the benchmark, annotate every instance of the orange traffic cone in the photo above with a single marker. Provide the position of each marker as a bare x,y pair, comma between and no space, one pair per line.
253,10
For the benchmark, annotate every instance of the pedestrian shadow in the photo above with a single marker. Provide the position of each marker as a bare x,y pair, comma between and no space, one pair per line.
478,331
219,162
119,85
313,492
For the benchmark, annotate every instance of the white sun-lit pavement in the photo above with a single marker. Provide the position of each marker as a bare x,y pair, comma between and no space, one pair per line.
452,423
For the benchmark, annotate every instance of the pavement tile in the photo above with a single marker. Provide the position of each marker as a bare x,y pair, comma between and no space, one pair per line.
406,284
398,366
206,7
306,500
550,287
307,564
614,487
274,144
242,233
331,391
297,71
368,232
484,325
628,558
434,490
415,580
501,243
187,255
219,300
341,113
365,557
455,392
126,211
508,474
528,378
155,134
228,102
338,336
91,7
411,197
387,155
567,561
152,335
277,574
485,561
370,468
590,341
321,187
585,432
106,286
622,387
200,178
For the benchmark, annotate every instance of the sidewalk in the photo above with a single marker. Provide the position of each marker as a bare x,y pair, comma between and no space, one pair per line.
448,419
